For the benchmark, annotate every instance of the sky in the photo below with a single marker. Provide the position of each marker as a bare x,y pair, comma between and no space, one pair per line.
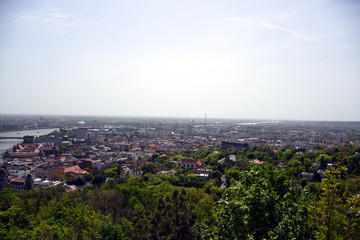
286,60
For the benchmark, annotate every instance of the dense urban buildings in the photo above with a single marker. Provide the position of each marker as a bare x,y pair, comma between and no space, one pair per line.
146,170
95,143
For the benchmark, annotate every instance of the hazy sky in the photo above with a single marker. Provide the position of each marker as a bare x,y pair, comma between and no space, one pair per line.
229,59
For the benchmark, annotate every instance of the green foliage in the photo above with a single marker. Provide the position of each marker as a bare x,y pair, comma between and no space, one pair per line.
216,175
304,182
203,153
336,210
7,196
89,177
288,154
78,150
76,181
149,168
307,163
262,204
59,134
79,222
193,181
294,163
250,155
174,218
174,180
211,159
63,149
111,232
353,164
111,172
99,179
313,189
233,173
323,160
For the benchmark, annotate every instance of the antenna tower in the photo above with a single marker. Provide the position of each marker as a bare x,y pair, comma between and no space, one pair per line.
205,120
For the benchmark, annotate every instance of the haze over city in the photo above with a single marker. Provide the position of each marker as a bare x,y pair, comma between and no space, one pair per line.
296,60
169,119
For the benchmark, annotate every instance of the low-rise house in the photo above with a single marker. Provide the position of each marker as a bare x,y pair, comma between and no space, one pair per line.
62,172
232,158
281,165
321,173
189,163
256,161
221,161
316,165
298,188
330,165
21,154
167,172
308,176
48,149
68,159
44,171
202,169
17,184
97,164
46,182
87,163
37,181
203,172
51,140
138,163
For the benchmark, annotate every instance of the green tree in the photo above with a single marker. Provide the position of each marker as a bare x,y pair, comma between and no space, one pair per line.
99,179
288,154
149,168
29,182
335,212
262,205
324,159
111,232
217,175
304,182
174,218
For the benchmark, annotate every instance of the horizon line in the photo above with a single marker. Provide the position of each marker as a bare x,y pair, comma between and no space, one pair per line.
170,117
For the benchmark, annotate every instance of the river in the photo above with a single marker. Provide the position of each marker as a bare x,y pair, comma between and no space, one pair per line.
6,144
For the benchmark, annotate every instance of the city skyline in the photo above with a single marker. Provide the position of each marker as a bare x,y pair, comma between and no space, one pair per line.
278,60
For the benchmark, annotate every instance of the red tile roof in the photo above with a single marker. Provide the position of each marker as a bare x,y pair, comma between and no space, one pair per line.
256,161
190,161
126,165
47,148
18,182
71,169
23,154
150,150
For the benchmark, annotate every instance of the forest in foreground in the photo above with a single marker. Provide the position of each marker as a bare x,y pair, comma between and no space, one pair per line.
258,201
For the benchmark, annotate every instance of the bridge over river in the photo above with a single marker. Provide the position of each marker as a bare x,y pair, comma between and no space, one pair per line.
11,138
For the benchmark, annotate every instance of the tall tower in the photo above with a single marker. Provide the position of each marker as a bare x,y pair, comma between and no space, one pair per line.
205,124
189,129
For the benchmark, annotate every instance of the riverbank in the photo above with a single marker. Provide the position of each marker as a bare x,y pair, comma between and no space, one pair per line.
6,144
22,129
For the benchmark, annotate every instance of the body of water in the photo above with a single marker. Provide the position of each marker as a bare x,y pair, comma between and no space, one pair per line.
6,144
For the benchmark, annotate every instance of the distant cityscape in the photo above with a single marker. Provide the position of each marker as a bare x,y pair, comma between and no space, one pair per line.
109,163
96,142
180,120
255,132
